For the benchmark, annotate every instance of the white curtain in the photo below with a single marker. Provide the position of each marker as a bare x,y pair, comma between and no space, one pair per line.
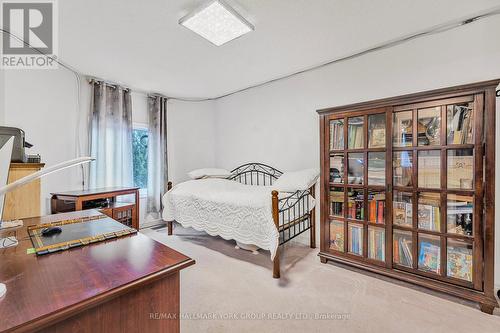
111,136
157,153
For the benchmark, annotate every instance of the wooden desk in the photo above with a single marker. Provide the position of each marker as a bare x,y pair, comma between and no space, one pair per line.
24,201
126,213
112,286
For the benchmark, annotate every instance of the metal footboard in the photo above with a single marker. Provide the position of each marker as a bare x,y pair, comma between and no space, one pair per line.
294,216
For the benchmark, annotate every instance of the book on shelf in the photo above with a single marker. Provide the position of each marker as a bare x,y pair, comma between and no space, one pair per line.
355,135
377,137
460,171
356,240
402,213
337,196
376,174
355,210
459,262
429,217
337,208
461,126
358,142
381,212
399,212
376,244
355,205
336,135
337,236
395,255
402,251
429,257
409,213
429,171
376,208
372,211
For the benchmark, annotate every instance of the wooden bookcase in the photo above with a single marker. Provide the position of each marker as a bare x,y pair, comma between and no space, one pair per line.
407,189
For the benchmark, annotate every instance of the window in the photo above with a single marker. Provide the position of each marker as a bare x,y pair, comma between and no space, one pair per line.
140,156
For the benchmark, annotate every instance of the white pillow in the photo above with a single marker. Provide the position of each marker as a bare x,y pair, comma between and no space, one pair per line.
296,180
209,173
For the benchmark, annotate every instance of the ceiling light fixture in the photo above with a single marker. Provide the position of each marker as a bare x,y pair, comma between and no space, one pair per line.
217,22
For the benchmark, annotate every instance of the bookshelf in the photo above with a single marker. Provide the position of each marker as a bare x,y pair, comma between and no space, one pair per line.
408,189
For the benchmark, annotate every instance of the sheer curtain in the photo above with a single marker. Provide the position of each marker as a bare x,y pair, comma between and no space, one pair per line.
111,136
157,153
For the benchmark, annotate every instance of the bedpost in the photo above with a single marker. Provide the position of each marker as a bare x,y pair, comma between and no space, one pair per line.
276,261
312,240
170,224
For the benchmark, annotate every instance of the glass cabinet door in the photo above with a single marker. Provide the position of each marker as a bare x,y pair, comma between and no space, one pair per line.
376,131
402,168
402,129
429,169
376,168
460,123
460,167
358,186
337,165
355,133
433,197
337,134
429,126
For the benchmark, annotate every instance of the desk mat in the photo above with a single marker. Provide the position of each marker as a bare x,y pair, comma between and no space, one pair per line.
76,232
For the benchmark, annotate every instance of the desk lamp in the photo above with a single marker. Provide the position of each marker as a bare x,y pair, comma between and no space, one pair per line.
5,158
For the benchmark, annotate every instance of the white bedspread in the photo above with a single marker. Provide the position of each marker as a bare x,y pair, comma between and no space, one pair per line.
225,208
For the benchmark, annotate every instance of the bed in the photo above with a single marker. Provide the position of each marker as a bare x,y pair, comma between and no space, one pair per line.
243,207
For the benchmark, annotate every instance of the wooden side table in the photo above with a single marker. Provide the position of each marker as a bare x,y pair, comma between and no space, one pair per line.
103,199
24,201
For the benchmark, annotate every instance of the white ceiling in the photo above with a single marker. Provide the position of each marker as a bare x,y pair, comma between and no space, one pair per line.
139,43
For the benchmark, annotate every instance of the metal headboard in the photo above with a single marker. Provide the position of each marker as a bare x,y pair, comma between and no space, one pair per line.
255,174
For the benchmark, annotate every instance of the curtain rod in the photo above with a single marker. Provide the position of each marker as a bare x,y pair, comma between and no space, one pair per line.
108,83
450,25
124,87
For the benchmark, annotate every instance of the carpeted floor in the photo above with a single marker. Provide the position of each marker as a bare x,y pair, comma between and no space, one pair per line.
231,290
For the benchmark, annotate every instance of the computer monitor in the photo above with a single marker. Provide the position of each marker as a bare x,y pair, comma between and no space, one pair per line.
5,157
